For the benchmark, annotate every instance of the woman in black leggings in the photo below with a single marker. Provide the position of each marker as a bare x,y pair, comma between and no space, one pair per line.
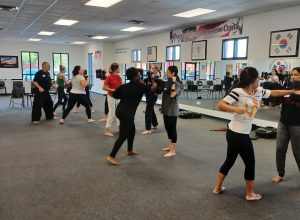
170,109
87,92
60,81
130,95
247,98
77,94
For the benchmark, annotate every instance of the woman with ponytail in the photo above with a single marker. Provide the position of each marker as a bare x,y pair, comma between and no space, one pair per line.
77,94
243,101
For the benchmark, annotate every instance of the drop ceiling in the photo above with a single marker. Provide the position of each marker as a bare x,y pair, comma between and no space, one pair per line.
34,16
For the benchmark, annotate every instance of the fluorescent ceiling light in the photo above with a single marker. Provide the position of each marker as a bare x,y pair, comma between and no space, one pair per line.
79,42
65,22
99,37
133,29
194,12
102,3
46,33
34,39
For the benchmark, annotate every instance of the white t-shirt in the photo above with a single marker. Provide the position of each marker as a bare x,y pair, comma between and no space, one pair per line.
242,123
274,79
76,86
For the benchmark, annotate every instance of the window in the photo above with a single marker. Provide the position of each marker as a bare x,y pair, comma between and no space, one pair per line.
173,53
233,49
210,70
30,64
60,59
90,68
136,55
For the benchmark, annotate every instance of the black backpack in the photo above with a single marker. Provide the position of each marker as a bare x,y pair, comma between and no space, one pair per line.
18,92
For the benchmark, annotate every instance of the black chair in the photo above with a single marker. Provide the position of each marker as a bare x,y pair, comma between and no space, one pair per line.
217,88
2,86
18,92
191,87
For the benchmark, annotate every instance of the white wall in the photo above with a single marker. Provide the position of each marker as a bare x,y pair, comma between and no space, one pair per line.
257,27
45,54
107,58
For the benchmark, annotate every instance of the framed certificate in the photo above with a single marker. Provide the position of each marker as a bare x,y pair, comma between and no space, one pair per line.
152,54
199,50
284,43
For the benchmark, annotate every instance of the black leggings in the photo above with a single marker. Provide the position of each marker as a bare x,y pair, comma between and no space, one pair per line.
127,131
170,126
82,99
61,96
87,92
239,144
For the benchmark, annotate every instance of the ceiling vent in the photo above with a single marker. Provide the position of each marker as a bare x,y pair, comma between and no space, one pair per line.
137,22
9,8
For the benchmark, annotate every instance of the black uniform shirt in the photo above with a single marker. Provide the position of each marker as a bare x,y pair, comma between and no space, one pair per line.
130,94
43,79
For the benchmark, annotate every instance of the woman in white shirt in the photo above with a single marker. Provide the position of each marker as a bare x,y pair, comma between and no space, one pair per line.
78,94
247,98
273,78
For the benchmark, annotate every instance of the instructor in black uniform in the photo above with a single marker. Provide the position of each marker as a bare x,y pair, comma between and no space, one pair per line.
130,94
42,99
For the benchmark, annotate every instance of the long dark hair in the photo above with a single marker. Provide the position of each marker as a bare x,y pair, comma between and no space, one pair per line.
76,70
174,69
248,76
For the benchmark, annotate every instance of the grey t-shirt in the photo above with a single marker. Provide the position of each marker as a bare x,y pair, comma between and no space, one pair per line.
76,86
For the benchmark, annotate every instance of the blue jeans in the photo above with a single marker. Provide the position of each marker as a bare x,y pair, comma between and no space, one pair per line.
285,134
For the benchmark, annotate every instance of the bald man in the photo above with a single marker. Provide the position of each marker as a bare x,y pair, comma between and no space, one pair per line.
42,99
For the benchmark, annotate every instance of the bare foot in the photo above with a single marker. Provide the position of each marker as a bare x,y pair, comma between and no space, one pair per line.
112,161
166,149
170,154
218,191
132,153
277,179
253,197
146,132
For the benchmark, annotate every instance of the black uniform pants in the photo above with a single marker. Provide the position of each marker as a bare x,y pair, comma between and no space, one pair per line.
150,116
127,131
42,100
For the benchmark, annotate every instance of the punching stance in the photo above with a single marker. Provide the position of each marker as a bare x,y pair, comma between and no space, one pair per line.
42,99
130,95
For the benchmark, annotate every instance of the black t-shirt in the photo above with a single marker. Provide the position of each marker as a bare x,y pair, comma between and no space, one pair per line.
130,94
43,79
290,111
227,82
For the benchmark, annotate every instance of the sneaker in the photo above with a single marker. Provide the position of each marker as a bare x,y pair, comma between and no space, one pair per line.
146,132
103,119
90,120
62,121
35,122
54,114
54,117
